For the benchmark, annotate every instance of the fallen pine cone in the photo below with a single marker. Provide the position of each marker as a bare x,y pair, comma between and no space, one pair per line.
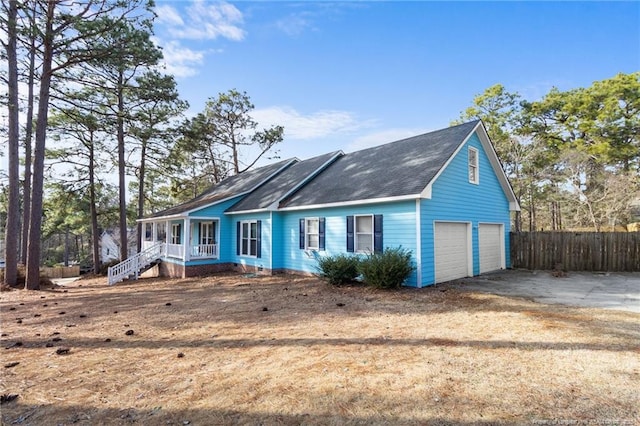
62,351
129,333
7,397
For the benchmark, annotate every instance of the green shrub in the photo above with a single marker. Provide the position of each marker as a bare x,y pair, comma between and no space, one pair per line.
339,269
388,269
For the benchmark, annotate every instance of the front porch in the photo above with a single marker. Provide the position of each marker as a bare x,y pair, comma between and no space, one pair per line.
184,238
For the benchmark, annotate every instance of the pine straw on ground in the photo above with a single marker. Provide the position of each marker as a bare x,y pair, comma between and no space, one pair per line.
236,349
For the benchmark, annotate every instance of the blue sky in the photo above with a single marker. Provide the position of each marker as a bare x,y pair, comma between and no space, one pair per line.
346,75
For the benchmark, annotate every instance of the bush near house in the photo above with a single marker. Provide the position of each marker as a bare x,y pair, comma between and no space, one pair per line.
339,269
388,269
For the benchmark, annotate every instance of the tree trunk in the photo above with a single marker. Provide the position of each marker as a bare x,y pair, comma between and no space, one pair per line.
26,185
92,207
12,230
32,281
141,178
122,193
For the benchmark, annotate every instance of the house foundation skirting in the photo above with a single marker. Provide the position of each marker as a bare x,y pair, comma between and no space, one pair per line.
175,270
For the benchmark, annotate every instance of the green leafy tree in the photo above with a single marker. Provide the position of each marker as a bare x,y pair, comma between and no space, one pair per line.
590,134
224,139
71,33
154,109
80,136
116,77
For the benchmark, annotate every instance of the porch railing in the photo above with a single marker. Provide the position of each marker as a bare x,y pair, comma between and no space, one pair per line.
204,250
132,266
175,250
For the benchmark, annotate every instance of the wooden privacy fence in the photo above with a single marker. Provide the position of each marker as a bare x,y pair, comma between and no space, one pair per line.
576,251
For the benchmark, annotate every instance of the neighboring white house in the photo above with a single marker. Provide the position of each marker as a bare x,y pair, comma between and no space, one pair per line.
110,244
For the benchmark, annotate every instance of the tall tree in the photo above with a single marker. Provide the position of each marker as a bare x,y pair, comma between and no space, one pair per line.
12,228
589,133
156,105
229,116
132,54
28,134
223,140
71,32
81,141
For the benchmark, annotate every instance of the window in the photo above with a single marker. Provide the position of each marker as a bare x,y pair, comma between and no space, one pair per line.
312,233
176,232
364,234
207,231
161,232
312,236
249,238
474,177
148,232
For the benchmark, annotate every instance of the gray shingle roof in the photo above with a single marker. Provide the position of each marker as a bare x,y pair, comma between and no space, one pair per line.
399,168
272,191
229,187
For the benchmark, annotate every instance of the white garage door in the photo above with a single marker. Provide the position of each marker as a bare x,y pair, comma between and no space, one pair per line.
451,251
490,244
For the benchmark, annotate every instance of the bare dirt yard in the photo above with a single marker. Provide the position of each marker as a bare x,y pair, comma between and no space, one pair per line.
288,350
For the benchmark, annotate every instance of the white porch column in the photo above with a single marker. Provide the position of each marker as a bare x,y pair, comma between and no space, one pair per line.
167,236
187,239
154,232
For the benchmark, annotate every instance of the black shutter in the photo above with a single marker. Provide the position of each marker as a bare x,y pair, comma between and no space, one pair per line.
377,233
321,233
258,238
350,234
302,245
238,242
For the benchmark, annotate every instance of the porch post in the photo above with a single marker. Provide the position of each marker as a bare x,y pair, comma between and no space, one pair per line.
187,239
154,232
167,233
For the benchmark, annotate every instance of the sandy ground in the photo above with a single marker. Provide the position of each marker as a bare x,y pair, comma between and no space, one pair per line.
236,349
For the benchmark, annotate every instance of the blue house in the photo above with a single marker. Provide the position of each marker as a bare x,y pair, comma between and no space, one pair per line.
442,195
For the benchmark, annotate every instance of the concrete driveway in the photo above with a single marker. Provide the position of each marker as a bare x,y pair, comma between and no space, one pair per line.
615,290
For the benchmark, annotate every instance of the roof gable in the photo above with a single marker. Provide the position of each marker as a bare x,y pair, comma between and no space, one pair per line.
398,169
230,187
270,194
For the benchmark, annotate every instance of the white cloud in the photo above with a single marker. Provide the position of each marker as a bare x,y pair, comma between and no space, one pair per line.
316,125
382,137
294,24
168,15
203,21
180,61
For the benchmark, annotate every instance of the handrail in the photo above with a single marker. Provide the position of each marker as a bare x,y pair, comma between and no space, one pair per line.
134,264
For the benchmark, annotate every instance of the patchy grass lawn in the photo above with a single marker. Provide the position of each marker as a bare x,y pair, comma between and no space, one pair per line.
290,350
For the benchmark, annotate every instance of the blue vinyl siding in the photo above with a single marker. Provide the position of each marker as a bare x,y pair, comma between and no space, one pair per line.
226,243
399,224
454,198
264,261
